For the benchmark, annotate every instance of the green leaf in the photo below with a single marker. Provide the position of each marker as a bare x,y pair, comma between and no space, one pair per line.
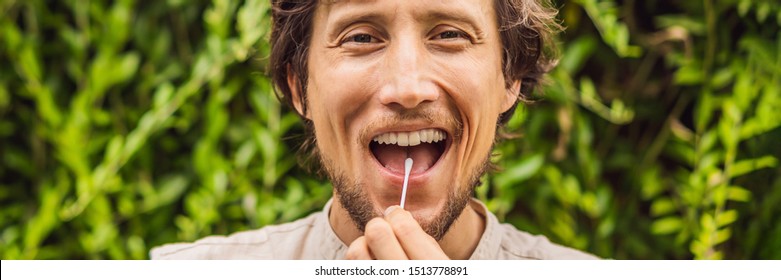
763,11
244,154
743,7
682,152
577,53
690,74
171,188
744,91
30,64
662,206
722,77
736,193
707,142
588,202
704,110
746,166
667,225
12,36
521,171
651,183
114,149
722,236
729,131
125,68
709,161
726,218
707,223
570,190
607,226
163,95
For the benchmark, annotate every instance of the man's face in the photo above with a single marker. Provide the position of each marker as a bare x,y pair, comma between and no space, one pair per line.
395,79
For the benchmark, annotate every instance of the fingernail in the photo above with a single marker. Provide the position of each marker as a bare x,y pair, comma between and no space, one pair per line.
390,209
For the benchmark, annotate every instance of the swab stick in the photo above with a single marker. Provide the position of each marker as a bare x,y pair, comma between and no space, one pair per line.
407,169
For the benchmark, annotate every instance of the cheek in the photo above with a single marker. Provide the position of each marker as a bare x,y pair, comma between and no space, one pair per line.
476,92
338,95
476,87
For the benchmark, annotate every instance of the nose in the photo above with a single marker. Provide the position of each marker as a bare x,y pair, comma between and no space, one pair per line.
408,81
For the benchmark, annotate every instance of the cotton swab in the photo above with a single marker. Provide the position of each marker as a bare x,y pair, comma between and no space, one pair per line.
407,169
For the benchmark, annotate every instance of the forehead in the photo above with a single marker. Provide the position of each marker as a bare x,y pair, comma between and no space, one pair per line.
476,12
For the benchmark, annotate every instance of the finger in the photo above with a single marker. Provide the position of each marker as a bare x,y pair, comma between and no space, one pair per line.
416,243
358,250
382,242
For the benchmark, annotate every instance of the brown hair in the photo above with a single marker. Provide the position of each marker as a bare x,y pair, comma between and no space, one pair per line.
525,27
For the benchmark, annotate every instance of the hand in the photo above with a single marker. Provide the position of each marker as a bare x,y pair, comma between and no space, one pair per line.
397,236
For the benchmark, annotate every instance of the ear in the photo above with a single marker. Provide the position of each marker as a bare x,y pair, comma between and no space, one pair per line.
295,93
511,95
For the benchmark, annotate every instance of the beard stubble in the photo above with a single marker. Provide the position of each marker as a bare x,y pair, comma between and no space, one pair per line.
354,199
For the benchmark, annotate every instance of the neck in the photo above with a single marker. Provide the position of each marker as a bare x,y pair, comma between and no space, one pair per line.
461,240
458,243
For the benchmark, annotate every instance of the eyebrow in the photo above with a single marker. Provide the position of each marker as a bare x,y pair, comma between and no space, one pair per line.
452,15
347,18
357,14
342,19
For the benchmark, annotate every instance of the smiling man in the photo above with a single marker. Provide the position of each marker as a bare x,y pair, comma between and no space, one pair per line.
380,81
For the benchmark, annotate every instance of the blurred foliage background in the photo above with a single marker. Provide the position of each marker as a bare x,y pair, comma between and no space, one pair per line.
128,124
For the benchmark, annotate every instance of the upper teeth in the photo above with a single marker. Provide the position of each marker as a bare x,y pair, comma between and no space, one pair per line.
413,138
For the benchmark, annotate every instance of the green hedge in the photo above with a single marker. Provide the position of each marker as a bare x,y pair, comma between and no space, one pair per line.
128,124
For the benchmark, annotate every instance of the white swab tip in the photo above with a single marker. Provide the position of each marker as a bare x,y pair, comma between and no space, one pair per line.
407,165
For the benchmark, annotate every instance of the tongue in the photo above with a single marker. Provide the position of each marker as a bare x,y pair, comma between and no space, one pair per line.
393,156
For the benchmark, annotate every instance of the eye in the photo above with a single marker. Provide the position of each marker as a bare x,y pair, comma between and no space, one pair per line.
360,38
451,34
449,38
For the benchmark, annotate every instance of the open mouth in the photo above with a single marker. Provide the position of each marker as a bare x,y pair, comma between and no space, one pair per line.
425,147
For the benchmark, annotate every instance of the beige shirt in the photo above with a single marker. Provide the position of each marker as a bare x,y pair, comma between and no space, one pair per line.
313,238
